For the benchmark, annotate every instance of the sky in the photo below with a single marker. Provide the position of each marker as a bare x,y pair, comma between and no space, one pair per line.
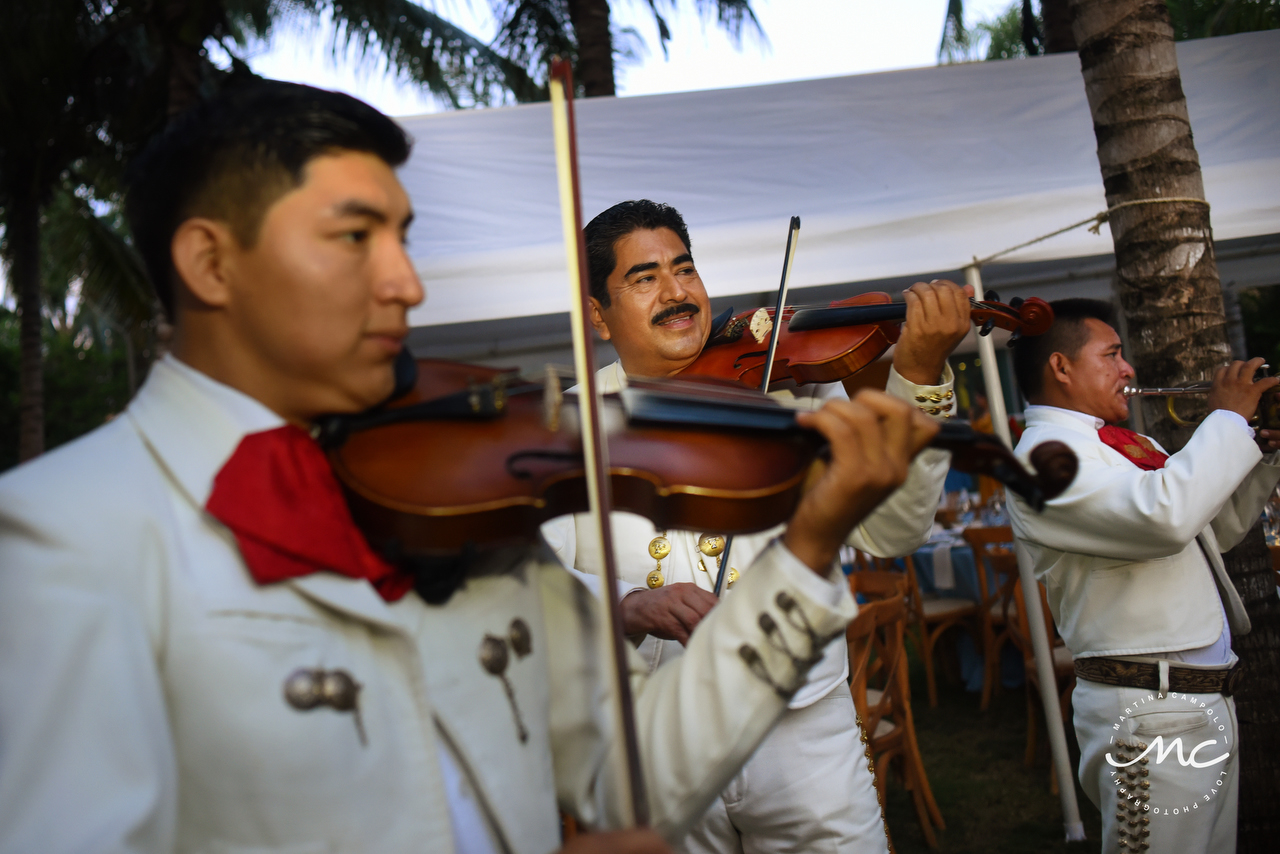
805,39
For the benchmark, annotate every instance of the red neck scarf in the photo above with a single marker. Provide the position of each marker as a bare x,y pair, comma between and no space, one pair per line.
279,497
1135,448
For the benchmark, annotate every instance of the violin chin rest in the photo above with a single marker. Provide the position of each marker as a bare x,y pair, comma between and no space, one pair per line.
1056,466
406,374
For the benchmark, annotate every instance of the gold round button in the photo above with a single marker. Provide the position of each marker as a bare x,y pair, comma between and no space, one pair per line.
659,547
654,579
711,546
733,576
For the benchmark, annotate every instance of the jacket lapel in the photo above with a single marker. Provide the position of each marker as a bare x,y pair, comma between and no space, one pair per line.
1236,614
352,597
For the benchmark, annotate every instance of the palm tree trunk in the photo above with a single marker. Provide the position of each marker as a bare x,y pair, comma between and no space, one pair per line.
1167,277
24,267
590,19
1168,287
1058,37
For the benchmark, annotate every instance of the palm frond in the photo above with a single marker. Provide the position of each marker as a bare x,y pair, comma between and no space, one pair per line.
424,48
531,32
735,17
89,251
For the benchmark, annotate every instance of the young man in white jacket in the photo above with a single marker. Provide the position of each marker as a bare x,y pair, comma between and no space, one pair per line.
1130,556
199,651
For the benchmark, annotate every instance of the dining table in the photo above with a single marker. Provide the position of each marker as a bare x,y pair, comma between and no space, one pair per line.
945,567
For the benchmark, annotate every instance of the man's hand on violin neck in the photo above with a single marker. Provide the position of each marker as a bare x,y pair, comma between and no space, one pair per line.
670,612
1235,389
937,321
873,439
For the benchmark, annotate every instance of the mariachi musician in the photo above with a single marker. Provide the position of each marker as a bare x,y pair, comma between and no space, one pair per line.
1130,556
808,786
201,652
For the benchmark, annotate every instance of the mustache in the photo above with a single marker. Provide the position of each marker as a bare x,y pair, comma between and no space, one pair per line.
675,311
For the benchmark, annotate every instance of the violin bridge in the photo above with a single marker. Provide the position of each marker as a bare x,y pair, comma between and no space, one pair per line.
552,399
761,325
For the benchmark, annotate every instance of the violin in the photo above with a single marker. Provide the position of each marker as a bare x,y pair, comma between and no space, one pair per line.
475,457
821,344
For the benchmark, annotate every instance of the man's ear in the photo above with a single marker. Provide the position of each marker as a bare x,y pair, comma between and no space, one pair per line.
1058,369
597,319
201,251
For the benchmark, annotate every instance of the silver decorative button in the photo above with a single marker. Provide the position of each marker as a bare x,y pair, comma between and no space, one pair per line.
310,688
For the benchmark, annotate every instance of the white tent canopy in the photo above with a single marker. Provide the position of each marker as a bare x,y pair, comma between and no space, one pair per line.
893,174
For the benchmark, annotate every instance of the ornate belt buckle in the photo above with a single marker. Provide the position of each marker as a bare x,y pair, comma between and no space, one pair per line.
1232,682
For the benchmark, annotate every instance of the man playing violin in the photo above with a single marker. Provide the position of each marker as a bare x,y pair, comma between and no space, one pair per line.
202,653
808,787
1130,556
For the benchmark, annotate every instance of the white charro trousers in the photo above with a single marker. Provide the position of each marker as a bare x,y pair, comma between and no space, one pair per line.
806,790
1169,805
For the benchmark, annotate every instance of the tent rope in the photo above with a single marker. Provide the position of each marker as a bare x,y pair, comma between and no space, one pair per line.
1097,219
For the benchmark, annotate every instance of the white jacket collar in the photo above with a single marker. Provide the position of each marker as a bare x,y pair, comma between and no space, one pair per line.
1082,422
611,378
193,423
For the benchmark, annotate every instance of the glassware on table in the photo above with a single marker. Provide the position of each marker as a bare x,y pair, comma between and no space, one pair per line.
966,504
994,514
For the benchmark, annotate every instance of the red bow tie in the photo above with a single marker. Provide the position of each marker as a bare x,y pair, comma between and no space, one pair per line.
279,497
1135,448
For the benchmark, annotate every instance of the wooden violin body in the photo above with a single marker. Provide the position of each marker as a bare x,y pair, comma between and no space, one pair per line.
827,344
819,356
493,476
474,457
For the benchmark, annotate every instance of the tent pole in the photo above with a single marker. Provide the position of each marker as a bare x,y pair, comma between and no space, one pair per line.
1031,600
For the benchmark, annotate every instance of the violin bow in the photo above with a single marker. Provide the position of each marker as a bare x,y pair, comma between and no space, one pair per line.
595,452
788,257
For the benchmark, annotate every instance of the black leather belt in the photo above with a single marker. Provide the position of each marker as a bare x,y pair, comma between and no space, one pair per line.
1142,674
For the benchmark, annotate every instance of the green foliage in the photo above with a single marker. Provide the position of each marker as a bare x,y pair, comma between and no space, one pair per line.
86,382
1198,19
1192,19
1003,33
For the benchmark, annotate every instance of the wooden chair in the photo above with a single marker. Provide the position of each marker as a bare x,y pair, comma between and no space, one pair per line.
990,549
931,617
1063,670
882,695
875,584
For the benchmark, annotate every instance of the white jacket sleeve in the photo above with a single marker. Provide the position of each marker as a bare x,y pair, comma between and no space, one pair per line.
83,725
1123,512
902,522
700,717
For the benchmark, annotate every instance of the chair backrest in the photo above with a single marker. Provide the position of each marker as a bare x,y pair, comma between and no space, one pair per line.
992,548
878,584
877,657
859,638
1022,625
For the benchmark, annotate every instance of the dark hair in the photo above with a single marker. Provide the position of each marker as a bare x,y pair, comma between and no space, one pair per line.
231,157
604,232
1066,336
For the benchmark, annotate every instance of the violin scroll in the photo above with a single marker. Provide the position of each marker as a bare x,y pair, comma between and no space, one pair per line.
983,453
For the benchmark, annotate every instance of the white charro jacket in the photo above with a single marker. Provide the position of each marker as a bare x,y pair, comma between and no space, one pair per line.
142,673
1131,559
899,526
